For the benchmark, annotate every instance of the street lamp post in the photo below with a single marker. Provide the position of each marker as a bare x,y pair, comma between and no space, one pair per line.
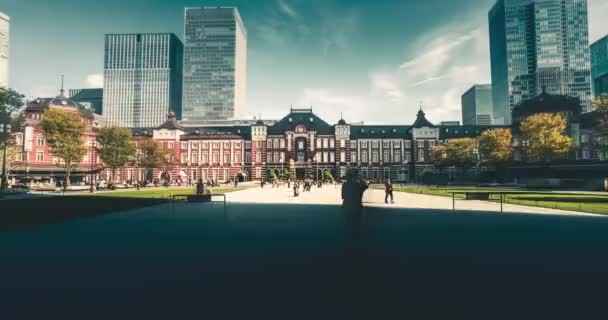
5,129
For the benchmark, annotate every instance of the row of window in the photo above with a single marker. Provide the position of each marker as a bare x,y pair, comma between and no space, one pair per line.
215,158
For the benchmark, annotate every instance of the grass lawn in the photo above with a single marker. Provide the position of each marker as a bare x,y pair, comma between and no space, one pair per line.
564,201
22,214
159,193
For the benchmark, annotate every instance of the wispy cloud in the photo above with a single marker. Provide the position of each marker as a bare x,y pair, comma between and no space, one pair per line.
286,8
95,80
337,31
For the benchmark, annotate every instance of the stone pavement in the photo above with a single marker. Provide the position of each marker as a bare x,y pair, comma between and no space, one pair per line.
330,194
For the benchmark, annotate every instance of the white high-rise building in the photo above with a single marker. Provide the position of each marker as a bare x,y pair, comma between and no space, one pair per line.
215,64
5,22
142,79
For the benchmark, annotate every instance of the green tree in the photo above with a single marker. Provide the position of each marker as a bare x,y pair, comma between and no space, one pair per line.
115,148
496,146
10,102
600,106
147,155
328,176
63,131
544,134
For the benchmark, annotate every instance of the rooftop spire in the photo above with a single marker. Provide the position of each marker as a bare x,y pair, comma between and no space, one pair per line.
61,92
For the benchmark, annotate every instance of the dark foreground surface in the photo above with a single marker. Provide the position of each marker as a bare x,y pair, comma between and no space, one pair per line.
306,262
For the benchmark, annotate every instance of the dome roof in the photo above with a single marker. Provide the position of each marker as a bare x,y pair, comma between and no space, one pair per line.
62,101
342,122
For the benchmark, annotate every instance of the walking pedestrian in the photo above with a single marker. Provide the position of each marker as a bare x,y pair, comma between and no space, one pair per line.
388,190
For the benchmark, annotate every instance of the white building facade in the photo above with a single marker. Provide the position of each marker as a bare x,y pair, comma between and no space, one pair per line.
142,79
4,48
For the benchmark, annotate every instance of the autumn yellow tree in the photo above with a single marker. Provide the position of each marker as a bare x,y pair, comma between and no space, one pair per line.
461,152
440,154
544,133
496,146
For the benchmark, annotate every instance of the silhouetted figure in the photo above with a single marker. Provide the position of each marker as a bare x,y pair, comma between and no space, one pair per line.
200,188
388,191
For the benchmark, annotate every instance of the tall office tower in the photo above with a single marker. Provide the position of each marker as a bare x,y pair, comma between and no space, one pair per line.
4,48
215,64
142,79
599,66
538,45
477,105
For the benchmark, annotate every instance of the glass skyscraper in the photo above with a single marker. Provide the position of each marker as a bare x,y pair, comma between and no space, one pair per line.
142,79
538,45
215,64
599,66
477,105
4,48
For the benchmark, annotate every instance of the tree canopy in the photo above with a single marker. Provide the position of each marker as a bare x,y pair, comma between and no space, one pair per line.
114,147
496,146
544,134
461,152
63,131
10,101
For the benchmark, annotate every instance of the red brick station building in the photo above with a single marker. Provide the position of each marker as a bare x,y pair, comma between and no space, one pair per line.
301,143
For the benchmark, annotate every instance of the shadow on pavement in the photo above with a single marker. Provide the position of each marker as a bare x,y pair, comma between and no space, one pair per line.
308,262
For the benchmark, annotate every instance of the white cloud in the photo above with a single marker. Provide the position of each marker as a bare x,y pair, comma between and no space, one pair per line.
286,8
598,21
95,80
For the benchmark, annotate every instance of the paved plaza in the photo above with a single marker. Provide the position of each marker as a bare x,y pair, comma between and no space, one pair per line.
374,198
268,255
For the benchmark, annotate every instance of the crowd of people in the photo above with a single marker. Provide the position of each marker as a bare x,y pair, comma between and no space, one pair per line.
353,188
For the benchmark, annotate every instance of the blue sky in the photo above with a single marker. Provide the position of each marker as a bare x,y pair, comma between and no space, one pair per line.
373,60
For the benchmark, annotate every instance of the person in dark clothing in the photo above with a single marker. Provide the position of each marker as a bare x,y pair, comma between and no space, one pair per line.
200,188
388,190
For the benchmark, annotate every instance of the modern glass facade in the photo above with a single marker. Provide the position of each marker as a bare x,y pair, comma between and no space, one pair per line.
215,64
142,79
91,98
538,45
477,105
4,48
599,66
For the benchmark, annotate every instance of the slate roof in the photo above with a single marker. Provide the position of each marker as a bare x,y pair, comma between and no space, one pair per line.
171,123
464,131
41,104
303,117
238,132
421,121
380,132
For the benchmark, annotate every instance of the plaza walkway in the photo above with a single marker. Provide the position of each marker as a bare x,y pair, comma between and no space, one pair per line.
374,198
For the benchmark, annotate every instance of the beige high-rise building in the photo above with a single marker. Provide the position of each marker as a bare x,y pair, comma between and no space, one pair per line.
4,48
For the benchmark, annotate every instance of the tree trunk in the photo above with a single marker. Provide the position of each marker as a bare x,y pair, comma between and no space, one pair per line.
66,184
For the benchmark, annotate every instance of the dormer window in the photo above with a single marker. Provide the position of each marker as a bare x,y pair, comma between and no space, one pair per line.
312,120
290,120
